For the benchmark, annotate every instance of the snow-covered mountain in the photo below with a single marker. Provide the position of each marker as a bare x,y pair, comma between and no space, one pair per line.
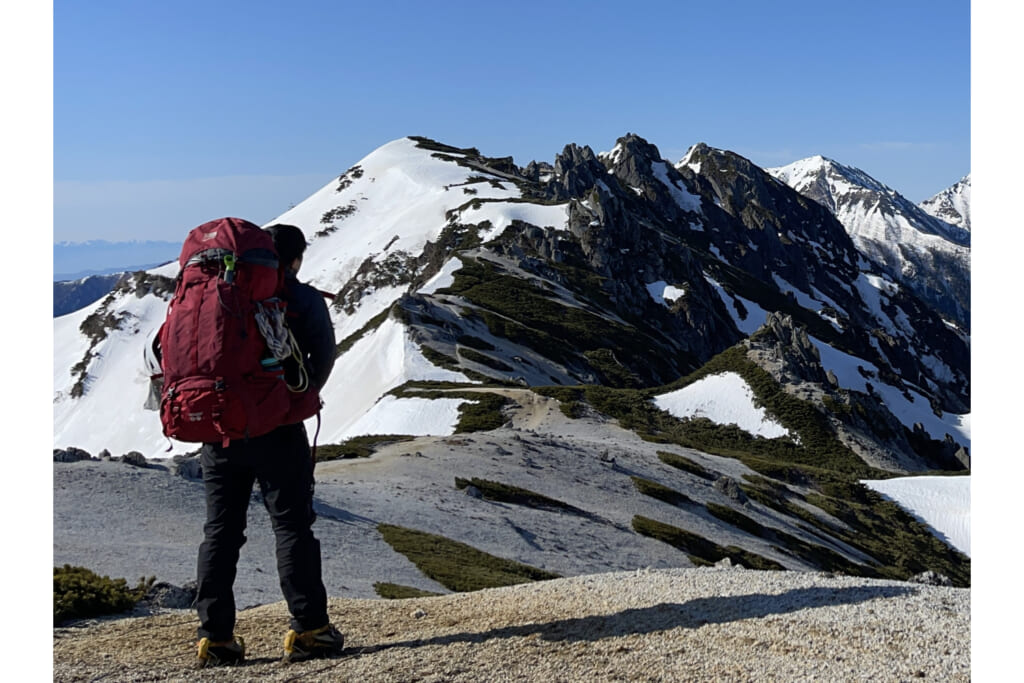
618,283
926,254
70,295
952,205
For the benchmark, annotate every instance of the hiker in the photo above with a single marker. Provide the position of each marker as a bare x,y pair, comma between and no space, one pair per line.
281,462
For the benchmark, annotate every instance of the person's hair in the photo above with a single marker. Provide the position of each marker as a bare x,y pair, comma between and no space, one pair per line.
288,240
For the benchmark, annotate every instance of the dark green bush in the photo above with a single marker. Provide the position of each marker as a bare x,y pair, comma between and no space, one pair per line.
482,413
79,593
483,359
660,491
700,550
357,446
395,591
686,465
494,490
457,566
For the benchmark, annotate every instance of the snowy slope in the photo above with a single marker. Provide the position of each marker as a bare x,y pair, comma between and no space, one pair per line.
374,365
870,211
953,204
392,202
110,415
929,255
725,399
398,191
942,503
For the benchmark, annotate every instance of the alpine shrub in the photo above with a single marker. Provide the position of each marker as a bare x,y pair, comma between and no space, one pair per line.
79,593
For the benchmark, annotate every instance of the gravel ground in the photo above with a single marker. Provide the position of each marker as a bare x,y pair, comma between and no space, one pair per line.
657,625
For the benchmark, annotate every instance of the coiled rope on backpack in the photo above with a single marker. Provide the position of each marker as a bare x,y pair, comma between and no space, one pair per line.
281,341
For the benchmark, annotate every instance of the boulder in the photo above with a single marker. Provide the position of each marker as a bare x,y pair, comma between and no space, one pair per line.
169,596
134,458
729,487
931,578
70,454
187,466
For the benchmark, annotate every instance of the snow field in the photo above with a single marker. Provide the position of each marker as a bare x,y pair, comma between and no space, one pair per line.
725,399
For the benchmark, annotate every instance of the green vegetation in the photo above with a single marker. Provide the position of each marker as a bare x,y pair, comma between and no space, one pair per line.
481,412
882,529
96,326
435,146
660,491
395,591
358,446
483,359
457,566
686,465
738,520
700,550
611,370
814,460
818,446
475,342
345,179
524,312
493,490
441,360
900,545
79,593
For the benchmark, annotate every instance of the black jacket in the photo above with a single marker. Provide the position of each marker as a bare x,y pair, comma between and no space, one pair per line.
311,325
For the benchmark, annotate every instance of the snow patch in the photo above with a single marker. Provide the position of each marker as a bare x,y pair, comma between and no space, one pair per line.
376,364
756,316
664,293
942,503
501,215
412,416
908,411
682,197
444,277
725,399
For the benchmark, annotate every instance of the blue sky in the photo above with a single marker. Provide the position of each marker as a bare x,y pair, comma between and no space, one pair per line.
168,114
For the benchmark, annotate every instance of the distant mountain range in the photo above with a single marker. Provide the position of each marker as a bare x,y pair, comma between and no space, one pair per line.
923,252
72,295
619,284
76,260
953,204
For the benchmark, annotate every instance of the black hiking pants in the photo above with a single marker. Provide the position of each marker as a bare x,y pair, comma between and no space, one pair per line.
280,461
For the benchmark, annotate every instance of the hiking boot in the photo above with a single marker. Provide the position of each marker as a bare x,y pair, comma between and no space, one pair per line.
222,653
325,641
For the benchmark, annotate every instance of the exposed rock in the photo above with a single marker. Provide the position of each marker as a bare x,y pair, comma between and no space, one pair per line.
473,492
134,458
931,578
187,466
169,596
104,455
729,487
70,454
727,563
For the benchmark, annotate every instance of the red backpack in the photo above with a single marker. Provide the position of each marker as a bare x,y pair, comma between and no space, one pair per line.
221,381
